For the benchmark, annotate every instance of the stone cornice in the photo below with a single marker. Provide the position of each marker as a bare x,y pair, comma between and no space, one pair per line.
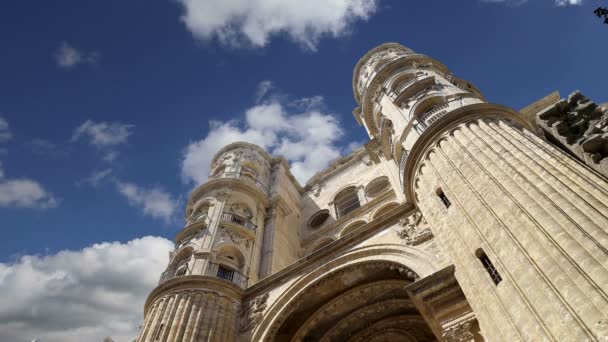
335,167
239,144
195,283
361,233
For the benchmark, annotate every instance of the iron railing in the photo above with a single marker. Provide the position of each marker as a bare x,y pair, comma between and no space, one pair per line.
231,217
226,273
402,163
243,177
173,272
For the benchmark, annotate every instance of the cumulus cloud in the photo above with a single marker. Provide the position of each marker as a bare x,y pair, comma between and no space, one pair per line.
104,135
67,56
96,178
154,202
22,192
253,22
25,193
5,133
301,130
82,295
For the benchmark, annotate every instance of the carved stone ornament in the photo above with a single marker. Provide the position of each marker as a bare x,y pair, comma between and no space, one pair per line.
582,128
252,313
460,332
415,230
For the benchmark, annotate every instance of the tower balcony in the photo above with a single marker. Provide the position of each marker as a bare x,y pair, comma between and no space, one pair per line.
213,270
238,220
243,177
227,273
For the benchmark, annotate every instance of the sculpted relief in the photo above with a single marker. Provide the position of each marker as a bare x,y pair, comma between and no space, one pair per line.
252,313
414,230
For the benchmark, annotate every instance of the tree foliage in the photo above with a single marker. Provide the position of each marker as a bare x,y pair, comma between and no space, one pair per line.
602,12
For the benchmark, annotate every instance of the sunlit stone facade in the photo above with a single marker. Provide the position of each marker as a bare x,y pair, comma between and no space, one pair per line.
459,220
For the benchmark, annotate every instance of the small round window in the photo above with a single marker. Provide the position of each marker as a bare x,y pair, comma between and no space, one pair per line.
377,186
318,219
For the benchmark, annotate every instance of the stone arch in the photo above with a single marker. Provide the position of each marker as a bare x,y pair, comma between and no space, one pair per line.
384,209
415,262
351,227
320,244
230,255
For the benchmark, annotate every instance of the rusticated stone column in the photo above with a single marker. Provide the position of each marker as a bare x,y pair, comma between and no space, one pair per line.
494,191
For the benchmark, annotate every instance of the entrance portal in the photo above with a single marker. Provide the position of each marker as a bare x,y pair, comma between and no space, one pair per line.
362,302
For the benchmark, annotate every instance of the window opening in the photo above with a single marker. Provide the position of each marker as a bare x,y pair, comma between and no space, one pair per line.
444,199
487,264
160,330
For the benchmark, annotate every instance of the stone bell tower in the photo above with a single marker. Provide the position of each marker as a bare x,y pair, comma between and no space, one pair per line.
217,254
525,225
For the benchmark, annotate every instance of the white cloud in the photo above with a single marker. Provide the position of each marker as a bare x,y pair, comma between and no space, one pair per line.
5,132
96,178
83,295
253,22
302,131
67,56
25,193
568,2
520,2
154,202
104,135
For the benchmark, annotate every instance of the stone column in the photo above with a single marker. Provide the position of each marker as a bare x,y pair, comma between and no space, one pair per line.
539,216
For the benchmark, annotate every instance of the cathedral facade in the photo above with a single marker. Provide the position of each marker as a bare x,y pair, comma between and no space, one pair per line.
459,220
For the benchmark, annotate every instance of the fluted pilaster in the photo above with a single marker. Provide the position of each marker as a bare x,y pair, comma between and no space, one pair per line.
541,218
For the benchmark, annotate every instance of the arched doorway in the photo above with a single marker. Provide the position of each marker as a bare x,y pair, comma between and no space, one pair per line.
361,302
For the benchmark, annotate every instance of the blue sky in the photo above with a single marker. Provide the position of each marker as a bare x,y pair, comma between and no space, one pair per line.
110,111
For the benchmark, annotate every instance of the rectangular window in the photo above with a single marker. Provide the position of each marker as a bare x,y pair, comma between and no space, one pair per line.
444,199
487,264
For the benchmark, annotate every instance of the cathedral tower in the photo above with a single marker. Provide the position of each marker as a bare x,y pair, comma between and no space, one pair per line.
525,225
217,254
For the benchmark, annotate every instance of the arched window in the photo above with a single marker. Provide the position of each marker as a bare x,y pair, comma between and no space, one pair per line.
317,219
376,187
382,211
487,264
199,213
346,201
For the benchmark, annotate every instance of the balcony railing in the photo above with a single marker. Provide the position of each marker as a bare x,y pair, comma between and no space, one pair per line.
243,177
231,217
173,272
405,84
226,273
402,163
